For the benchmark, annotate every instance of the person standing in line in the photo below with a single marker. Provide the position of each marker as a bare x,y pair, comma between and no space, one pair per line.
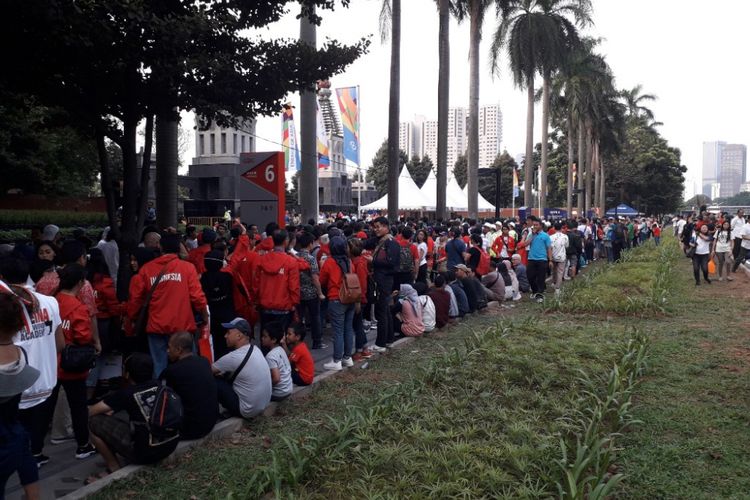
559,242
722,250
341,314
383,262
744,246
455,249
702,242
540,258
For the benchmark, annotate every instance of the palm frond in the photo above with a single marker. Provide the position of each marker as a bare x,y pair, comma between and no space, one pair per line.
385,18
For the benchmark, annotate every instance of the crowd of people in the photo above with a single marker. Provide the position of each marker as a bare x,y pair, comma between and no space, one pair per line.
214,322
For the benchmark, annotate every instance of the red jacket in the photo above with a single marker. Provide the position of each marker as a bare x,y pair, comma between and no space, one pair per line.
241,267
178,293
196,257
76,328
105,294
276,281
360,267
331,278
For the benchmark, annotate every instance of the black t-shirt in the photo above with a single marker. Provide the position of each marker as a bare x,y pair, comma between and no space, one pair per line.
474,256
192,380
146,448
471,294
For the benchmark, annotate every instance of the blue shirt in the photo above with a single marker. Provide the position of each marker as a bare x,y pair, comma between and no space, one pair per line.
454,250
539,246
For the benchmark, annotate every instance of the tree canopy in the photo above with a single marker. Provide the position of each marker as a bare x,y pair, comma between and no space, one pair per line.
378,171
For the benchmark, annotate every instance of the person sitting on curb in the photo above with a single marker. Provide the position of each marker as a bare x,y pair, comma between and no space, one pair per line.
520,270
191,378
303,365
278,363
458,292
443,302
118,424
243,379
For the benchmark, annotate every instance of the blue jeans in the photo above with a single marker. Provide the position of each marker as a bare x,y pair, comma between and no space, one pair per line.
157,345
342,318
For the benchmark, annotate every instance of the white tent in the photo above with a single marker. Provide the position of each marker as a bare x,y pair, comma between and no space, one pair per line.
454,197
482,204
409,196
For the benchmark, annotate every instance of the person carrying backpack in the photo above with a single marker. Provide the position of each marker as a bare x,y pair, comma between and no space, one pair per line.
408,259
139,422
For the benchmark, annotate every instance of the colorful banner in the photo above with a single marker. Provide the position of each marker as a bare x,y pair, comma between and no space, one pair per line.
289,140
349,106
515,183
324,158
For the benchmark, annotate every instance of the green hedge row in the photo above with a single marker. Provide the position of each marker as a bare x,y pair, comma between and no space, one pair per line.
62,218
14,235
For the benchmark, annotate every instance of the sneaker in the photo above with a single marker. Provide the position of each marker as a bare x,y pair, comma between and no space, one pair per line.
389,345
62,440
377,348
708,281
347,362
41,460
85,451
365,353
721,279
319,345
539,298
366,324
517,297
357,357
334,366
729,278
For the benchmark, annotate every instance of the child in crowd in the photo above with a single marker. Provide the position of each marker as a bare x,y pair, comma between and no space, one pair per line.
281,371
303,366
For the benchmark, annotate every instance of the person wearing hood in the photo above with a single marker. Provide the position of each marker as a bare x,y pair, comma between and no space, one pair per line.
217,287
276,282
16,376
342,315
407,312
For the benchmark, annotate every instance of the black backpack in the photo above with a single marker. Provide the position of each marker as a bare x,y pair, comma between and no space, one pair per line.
161,408
575,245
405,259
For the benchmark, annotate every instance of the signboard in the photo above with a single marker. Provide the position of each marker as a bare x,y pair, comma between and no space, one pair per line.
555,213
262,191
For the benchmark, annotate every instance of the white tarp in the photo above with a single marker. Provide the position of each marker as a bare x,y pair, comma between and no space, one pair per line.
454,198
409,196
482,204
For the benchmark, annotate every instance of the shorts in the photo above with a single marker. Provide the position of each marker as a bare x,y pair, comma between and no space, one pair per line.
15,455
115,431
573,260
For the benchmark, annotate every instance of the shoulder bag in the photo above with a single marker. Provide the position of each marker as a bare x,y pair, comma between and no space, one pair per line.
139,327
234,374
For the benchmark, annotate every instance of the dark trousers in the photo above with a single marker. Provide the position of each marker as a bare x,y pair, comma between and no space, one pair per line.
309,310
741,256
36,420
383,313
422,274
536,271
75,392
736,249
700,263
616,250
360,339
283,318
227,397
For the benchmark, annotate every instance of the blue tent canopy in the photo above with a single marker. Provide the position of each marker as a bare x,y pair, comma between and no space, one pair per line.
622,210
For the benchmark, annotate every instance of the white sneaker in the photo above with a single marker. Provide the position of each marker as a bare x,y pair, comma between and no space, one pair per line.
366,324
347,362
377,348
334,366
517,296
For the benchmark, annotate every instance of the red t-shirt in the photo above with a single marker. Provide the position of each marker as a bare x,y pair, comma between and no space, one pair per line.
657,232
302,362
76,328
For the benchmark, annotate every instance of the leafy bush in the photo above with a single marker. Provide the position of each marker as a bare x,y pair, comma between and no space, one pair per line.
14,235
12,219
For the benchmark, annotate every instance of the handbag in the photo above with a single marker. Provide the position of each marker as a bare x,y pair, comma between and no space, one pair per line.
77,358
139,326
690,252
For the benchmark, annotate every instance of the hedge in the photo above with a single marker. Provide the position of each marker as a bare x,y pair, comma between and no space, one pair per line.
26,219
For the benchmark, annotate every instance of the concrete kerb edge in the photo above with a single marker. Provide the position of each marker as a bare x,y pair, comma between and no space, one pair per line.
221,430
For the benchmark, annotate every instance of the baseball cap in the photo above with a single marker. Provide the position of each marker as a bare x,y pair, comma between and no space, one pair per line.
462,267
238,324
49,232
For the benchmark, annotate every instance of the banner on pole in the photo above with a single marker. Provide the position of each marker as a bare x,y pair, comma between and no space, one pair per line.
349,105
289,140
515,183
324,158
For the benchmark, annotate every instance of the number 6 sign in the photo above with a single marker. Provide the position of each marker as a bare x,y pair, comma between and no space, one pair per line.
266,171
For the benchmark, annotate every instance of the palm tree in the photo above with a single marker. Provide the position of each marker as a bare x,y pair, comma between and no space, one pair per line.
539,36
634,99
475,10
390,17
444,58
308,185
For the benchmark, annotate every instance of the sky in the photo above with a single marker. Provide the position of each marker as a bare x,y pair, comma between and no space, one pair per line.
687,53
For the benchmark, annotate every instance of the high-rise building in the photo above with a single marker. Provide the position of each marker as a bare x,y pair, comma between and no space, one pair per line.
419,138
711,163
733,169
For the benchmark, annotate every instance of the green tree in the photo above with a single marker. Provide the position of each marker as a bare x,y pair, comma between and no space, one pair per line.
459,170
487,183
697,201
634,99
419,169
378,172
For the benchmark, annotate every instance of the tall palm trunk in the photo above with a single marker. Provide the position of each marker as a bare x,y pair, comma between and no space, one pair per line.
308,178
472,156
581,165
444,60
528,161
602,189
545,139
394,107
595,170
167,164
569,199
589,158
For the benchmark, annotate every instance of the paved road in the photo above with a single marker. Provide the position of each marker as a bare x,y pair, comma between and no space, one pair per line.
64,474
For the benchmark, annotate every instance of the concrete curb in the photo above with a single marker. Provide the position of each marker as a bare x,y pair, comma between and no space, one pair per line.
221,430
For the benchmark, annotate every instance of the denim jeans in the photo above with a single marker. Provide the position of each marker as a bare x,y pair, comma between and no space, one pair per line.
342,317
157,345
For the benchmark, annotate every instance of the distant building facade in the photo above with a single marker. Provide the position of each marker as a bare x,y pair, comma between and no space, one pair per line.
724,169
334,183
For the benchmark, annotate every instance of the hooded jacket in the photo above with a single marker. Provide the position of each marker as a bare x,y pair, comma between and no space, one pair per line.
277,281
178,293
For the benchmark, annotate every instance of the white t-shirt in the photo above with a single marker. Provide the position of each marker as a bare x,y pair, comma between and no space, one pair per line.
723,242
253,384
680,226
277,358
560,243
422,249
428,312
745,232
737,224
702,247
40,347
